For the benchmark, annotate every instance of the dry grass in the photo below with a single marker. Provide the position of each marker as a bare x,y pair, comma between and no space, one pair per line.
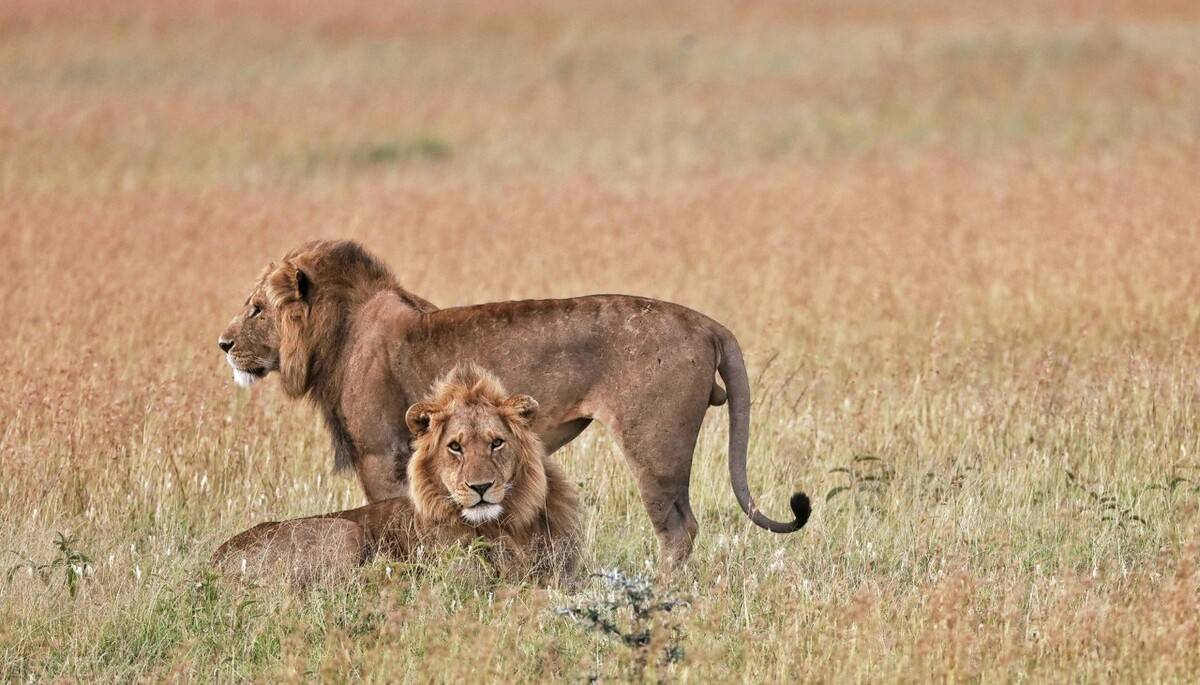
956,238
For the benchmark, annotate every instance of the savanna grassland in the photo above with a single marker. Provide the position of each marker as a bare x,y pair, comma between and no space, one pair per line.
958,242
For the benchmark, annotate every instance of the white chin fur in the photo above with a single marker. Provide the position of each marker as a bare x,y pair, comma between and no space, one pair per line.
482,513
244,379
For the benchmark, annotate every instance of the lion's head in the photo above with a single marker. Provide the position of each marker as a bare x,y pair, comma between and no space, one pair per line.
295,322
474,455
295,316
251,341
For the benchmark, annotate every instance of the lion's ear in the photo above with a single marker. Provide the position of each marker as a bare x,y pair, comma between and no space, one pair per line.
523,407
288,283
419,417
303,285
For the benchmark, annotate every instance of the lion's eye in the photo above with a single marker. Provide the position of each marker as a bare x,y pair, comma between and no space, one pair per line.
255,311
497,444
455,447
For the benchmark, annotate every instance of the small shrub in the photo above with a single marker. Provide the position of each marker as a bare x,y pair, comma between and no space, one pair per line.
637,616
1106,506
72,563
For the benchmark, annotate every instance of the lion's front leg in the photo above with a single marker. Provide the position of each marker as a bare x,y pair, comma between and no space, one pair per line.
380,477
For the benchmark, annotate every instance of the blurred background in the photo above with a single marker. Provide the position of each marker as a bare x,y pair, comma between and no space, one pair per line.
868,158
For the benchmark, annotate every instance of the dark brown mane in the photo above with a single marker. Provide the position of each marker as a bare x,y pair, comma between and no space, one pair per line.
347,266
341,276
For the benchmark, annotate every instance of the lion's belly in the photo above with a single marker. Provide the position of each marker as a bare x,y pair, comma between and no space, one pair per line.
558,435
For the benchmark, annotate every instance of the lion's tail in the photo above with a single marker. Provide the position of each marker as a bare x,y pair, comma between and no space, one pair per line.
732,368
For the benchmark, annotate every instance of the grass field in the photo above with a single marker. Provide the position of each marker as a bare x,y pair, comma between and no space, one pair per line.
958,242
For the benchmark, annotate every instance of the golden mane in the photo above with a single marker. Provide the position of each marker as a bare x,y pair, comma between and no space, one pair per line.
541,499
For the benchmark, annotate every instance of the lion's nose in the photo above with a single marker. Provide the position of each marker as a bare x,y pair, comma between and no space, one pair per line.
225,345
480,487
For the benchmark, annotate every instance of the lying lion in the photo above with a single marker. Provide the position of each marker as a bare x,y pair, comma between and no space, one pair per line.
477,471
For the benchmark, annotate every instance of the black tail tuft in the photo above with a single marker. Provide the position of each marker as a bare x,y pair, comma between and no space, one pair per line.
802,509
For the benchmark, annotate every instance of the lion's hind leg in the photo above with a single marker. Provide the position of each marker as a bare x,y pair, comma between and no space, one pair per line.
301,552
662,467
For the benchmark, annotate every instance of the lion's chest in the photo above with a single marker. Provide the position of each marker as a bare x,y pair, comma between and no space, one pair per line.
378,430
376,425
372,404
